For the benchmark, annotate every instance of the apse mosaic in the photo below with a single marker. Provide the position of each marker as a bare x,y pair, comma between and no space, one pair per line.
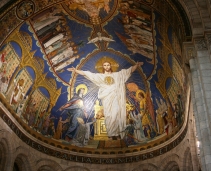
94,74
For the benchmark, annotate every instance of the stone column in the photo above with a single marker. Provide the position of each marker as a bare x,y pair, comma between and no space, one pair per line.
200,67
193,140
188,53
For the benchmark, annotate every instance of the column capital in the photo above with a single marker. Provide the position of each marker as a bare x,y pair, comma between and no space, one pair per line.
208,38
189,51
200,44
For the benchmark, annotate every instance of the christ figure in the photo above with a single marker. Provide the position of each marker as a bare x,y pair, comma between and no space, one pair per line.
112,94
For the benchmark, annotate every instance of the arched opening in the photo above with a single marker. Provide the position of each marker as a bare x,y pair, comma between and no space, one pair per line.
146,167
21,163
48,165
77,168
15,167
188,160
172,165
46,168
3,156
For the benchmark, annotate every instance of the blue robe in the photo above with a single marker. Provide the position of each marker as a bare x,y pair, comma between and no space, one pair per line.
74,111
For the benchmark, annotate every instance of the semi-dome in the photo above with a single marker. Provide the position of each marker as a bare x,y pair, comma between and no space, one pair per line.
108,75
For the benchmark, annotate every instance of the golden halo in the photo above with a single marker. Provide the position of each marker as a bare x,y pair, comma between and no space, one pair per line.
101,61
140,91
132,87
82,86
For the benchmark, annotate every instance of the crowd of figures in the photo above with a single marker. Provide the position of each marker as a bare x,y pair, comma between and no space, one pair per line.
142,127
72,126
74,129
4,80
142,124
138,26
31,109
55,36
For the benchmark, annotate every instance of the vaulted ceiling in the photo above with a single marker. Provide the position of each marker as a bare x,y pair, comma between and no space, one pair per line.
198,14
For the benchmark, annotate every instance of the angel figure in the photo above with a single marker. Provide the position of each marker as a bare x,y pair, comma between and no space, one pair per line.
100,38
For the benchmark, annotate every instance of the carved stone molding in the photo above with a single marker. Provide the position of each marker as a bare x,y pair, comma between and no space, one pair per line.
189,51
201,44
208,38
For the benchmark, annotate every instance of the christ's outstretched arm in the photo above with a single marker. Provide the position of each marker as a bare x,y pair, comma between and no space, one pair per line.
75,70
134,67
138,64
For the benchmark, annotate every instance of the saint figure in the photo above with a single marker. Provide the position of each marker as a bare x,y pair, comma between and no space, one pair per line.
75,109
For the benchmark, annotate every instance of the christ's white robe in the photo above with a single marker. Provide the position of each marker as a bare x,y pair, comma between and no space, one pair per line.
113,98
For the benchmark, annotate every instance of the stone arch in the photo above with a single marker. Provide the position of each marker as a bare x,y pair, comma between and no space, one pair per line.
76,168
23,159
172,165
146,167
112,169
187,160
8,147
22,162
4,154
195,15
170,162
48,165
